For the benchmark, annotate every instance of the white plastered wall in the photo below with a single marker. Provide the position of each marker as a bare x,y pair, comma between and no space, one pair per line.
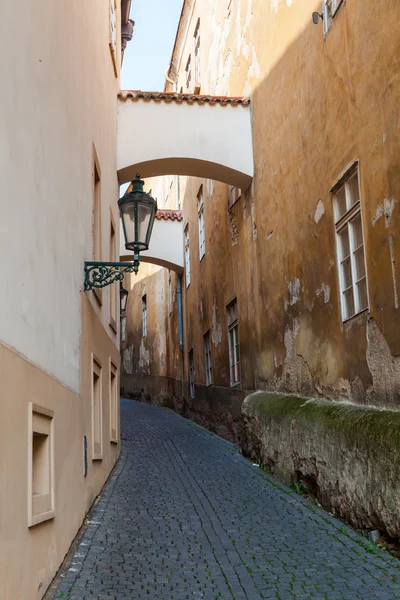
58,99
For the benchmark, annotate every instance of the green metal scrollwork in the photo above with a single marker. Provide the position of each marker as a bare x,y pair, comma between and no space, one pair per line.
101,274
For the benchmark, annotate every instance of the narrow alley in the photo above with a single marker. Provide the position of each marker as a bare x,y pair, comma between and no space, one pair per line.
185,516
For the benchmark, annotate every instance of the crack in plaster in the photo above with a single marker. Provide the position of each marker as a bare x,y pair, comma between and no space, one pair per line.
392,261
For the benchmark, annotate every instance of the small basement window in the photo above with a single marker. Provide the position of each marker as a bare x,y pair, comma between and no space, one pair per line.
41,465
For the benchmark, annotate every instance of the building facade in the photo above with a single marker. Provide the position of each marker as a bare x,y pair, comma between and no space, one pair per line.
59,345
292,284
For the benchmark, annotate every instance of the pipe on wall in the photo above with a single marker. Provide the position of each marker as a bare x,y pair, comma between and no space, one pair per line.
180,313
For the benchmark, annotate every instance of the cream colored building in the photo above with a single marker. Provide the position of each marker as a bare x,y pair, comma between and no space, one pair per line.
59,345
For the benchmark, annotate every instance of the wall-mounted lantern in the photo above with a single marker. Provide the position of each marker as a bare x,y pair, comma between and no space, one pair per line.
123,295
137,210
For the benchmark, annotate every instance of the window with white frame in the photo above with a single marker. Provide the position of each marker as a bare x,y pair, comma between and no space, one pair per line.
200,212
234,195
207,358
233,342
188,70
144,315
169,293
187,256
350,245
197,56
191,374
329,10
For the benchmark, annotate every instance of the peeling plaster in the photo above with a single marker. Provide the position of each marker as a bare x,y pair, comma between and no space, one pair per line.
201,309
216,331
386,209
289,3
254,69
326,291
384,368
319,212
296,376
209,187
253,220
232,227
269,235
294,292
144,359
127,357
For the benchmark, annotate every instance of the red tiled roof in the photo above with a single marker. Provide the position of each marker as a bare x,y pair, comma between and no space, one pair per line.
171,215
175,97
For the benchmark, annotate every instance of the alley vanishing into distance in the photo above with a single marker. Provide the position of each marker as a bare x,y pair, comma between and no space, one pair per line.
185,516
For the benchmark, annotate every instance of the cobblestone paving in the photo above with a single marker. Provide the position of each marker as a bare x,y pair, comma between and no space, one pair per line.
184,516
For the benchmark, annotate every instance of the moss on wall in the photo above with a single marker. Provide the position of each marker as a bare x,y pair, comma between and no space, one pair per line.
348,455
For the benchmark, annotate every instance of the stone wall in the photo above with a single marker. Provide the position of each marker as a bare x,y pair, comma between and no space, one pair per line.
346,455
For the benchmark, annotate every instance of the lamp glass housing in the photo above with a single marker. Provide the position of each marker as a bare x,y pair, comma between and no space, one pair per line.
137,210
123,294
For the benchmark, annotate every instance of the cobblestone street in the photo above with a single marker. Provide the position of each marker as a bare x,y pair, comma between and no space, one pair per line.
184,516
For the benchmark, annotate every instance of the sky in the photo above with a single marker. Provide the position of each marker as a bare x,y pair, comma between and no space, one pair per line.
147,55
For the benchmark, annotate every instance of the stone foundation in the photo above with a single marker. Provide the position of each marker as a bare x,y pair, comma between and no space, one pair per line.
348,456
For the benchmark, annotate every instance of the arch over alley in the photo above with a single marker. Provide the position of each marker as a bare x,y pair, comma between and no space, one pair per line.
164,133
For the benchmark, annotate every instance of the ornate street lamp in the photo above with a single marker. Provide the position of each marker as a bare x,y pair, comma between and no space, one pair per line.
123,294
137,210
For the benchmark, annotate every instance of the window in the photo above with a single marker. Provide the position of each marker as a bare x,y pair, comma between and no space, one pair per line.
144,315
188,70
113,286
113,391
113,34
197,58
191,374
350,246
329,10
234,195
233,341
96,224
207,357
41,501
187,256
97,410
123,329
169,293
200,211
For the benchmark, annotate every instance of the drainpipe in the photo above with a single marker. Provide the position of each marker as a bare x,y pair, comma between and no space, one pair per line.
180,314
180,332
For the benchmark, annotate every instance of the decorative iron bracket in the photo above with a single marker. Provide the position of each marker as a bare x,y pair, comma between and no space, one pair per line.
100,274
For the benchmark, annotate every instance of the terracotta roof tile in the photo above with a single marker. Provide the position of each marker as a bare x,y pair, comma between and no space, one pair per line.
175,97
169,215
